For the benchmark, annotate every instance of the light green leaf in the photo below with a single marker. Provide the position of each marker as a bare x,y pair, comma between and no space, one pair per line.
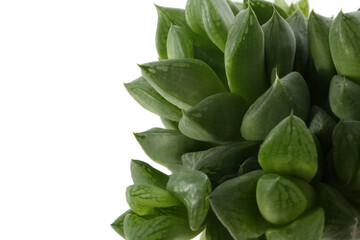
166,17
215,119
217,18
344,98
221,162
299,25
279,199
345,45
285,95
244,57
118,224
143,198
151,100
143,173
192,189
166,146
157,228
309,226
280,47
264,10
193,13
289,149
180,43
303,5
183,82
234,203
346,142
234,7
283,5
340,217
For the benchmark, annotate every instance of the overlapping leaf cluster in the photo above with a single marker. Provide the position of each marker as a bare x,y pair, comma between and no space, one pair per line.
261,107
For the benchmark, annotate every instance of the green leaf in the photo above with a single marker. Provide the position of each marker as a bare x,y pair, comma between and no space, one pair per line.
322,125
180,43
165,146
143,198
143,173
319,28
221,162
215,119
217,18
234,203
309,226
149,99
264,10
215,230
345,45
299,25
157,228
344,98
280,47
289,149
279,199
340,217
286,94
166,17
193,13
283,5
118,224
249,165
303,5
346,142
244,57
192,189
168,124
234,7
183,82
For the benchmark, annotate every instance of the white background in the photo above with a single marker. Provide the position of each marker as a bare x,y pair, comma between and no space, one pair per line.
66,120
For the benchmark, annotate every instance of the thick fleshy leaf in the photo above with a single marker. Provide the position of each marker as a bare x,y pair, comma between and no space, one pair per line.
340,217
157,228
143,198
344,98
234,203
168,124
143,173
217,18
345,45
192,189
166,17
285,95
322,125
245,58
280,47
221,162
309,226
215,119
289,149
319,28
180,43
303,5
166,146
234,7
279,199
183,82
193,14
264,10
249,165
346,142
283,5
299,25
118,224
215,230
151,100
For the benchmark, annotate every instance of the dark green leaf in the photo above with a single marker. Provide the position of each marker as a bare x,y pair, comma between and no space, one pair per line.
249,165
166,146
118,224
340,217
309,226
345,45
215,230
193,13
234,203
283,5
344,98
192,189
286,94
148,98
168,124
143,173
183,82
215,119
221,162
245,58
180,43
289,149
264,10
280,47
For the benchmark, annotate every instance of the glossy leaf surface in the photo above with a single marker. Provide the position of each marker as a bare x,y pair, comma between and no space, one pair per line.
143,173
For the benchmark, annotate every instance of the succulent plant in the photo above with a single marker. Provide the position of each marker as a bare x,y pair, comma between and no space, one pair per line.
261,107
